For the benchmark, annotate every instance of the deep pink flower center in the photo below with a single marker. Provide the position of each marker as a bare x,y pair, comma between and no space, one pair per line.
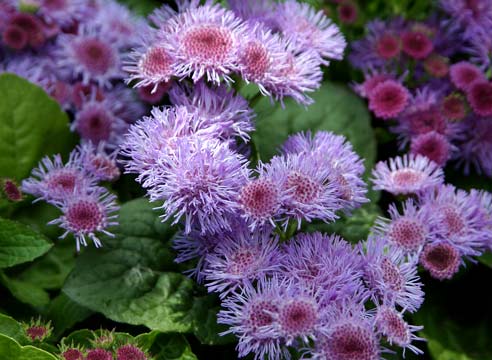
156,62
73,354
130,352
63,180
453,108
96,56
95,124
350,342
260,198
85,216
441,256
426,121
388,46
255,59
37,332
241,261
407,233
208,44
407,177
260,314
305,188
452,220
298,316
391,275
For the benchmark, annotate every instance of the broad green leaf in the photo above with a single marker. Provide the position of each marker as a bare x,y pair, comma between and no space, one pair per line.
19,243
26,292
141,7
50,270
13,329
30,121
166,346
486,259
129,279
65,313
335,108
12,350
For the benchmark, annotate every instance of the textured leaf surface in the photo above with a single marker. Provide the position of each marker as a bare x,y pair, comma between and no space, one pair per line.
19,243
30,120
11,350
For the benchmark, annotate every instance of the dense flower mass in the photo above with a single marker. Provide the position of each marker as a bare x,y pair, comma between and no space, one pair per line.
166,108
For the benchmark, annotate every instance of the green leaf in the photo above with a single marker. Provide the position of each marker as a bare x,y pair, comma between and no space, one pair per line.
26,292
65,313
19,243
486,259
354,227
166,346
13,329
29,122
12,350
335,108
141,7
129,279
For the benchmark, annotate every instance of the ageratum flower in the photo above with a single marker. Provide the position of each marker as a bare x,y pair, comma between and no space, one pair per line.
98,163
470,16
475,148
54,181
310,30
309,192
217,108
325,263
199,183
130,352
89,55
458,218
407,174
416,44
390,275
408,231
240,257
99,354
63,13
338,155
205,42
441,259
350,335
86,214
97,122
150,63
388,99
396,330
436,147
463,74
479,96
154,137
256,11
251,313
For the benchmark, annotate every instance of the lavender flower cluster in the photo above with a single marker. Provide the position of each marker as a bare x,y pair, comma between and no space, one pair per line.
439,225
278,46
75,51
432,79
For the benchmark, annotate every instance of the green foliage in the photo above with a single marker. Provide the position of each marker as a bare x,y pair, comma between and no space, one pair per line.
13,329
130,279
12,350
19,243
65,313
335,108
29,121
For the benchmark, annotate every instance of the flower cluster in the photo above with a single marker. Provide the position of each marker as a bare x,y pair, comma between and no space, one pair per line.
430,80
75,51
104,346
73,187
440,225
278,46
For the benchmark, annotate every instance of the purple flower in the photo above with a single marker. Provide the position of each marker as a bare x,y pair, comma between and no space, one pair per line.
434,146
63,13
327,264
479,96
97,122
397,331
130,352
199,181
458,217
476,147
241,256
381,44
390,275
85,215
470,16
205,42
195,246
150,63
251,313
309,192
310,30
350,335
217,108
256,11
441,259
408,231
90,56
54,181
98,163
155,136
338,155
264,59
407,174
388,99
463,74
